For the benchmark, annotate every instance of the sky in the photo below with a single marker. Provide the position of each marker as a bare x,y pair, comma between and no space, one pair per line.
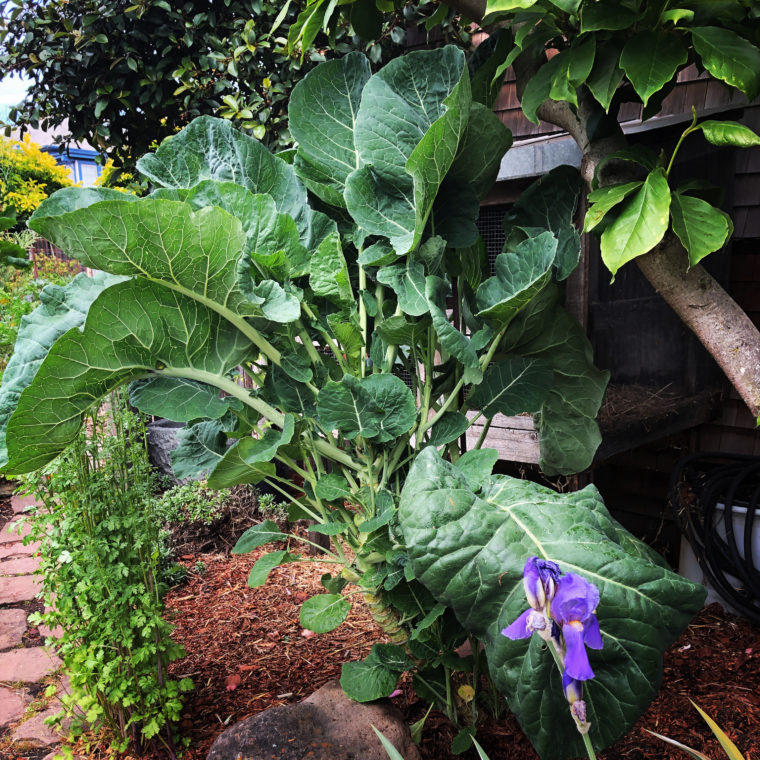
12,90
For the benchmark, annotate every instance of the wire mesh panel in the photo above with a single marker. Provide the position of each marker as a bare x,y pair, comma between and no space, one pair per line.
491,226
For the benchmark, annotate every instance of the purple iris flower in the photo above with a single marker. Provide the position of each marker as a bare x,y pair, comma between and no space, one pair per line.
573,608
540,578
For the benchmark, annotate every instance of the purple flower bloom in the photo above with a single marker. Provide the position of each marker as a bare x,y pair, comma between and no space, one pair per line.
540,579
573,608
572,687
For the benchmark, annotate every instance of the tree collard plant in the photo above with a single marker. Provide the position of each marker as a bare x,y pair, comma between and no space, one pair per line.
576,62
352,290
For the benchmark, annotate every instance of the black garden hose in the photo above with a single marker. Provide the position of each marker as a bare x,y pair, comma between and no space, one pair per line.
699,484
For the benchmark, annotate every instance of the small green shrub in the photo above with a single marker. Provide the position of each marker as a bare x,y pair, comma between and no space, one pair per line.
192,502
100,564
271,508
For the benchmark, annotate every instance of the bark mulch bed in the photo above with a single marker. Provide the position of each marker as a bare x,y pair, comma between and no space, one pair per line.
246,652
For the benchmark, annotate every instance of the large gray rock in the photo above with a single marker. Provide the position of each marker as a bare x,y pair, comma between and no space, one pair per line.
325,726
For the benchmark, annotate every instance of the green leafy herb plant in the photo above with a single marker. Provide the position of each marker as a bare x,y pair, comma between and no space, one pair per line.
99,569
351,289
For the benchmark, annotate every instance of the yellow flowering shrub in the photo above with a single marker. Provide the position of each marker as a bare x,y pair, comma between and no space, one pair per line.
28,176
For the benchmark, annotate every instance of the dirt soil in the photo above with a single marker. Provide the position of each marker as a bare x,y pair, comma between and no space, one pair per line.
246,652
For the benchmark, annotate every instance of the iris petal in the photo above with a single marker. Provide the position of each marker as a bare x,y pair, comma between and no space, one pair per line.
592,636
576,660
519,629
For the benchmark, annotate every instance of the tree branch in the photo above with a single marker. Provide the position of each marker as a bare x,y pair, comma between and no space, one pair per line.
721,325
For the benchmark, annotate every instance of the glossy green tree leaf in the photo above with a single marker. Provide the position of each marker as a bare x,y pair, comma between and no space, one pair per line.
729,57
573,67
605,199
606,74
732,133
322,113
641,224
650,60
62,308
420,104
469,550
700,227
600,16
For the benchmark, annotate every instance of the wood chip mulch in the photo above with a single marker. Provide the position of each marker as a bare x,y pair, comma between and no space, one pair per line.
246,651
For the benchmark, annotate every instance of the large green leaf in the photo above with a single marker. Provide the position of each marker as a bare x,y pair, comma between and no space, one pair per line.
200,447
518,277
349,407
133,329
375,677
480,152
729,57
419,105
700,227
603,15
650,60
329,272
455,342
568,433
641,224
606,74
194,252
550,203
391,394
604,199
177,398
258,535
62,308
322,113
512,386
407,279
469,550
211,148
573,66
237,464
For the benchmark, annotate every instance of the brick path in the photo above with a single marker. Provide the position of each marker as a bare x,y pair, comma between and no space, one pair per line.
22,666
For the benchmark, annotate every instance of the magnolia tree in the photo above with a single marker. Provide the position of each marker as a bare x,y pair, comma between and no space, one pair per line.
351,288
